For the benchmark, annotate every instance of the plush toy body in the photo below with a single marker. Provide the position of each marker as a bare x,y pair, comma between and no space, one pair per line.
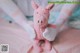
41,16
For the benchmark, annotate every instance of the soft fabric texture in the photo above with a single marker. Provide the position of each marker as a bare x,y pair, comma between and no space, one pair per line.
74,19
25,5
12,10
41,27
19,41
41,16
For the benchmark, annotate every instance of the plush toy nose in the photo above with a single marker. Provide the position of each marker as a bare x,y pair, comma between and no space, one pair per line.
40,21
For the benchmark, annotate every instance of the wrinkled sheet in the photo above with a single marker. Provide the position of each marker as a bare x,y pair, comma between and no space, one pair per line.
19,42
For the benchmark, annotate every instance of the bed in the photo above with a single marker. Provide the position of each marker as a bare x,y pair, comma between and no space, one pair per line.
67,41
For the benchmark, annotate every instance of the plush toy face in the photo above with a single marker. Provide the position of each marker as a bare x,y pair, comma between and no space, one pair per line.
41,15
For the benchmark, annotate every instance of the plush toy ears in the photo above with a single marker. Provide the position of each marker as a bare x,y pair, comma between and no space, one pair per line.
50,6
34,5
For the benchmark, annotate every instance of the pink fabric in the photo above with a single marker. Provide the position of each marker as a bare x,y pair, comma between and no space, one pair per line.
19,42
41,16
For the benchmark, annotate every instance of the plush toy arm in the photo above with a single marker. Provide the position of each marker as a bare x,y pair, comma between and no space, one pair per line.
52,25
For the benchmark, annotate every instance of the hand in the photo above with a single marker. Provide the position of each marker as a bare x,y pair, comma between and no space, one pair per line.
50,33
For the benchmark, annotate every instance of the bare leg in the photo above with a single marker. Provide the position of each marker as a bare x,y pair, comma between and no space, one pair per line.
67,40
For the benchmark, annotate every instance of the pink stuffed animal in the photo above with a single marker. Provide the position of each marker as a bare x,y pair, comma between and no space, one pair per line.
41,16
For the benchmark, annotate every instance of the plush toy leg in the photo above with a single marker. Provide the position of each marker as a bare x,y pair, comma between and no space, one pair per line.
30,50
47,46
35,47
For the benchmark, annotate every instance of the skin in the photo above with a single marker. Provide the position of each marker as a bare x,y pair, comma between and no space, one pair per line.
68,32
66,41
